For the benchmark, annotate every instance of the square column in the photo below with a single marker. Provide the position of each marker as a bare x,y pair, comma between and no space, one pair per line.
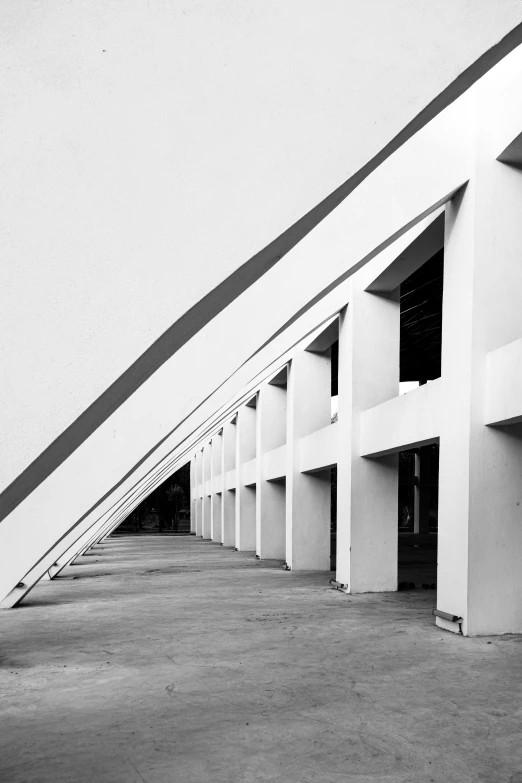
480,489
229,495
207,500
270,495
367,489
216,532
199,491
308,496
245,495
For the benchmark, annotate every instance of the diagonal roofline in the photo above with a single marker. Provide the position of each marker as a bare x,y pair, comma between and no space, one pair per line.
198,316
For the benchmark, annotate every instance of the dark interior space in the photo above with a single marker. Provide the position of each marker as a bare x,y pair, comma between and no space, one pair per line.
420,360
334,356
421,321
165,511
417,550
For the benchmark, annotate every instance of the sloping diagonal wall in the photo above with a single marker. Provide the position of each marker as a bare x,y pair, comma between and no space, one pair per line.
430,169
489,553
427,171
152,150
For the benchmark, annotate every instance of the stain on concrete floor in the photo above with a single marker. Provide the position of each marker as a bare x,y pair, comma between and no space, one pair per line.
173,659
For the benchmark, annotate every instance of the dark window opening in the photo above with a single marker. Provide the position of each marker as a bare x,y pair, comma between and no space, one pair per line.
418,517
421,321
165,511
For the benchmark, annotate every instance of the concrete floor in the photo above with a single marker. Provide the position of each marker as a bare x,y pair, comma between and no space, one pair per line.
172,659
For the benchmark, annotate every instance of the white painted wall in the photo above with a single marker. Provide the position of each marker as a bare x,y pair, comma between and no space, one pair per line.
433,163
216,532
503,403
270,496
480,531
318,450
404,422
149,148
229,469
425,171
246,473
307,496
275,464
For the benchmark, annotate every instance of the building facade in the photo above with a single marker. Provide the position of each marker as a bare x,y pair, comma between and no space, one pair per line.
254,412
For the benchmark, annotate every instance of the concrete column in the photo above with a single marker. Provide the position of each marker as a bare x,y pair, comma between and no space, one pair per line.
193,500
270,495
216,532
308,496
480,490
245,495
229,495
199,500
207,500
367,489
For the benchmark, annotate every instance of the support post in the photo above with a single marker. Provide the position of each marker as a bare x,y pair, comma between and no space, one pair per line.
199,498
308,496
245,495
270,495
229,495
216,532
367,489
207,500
480,519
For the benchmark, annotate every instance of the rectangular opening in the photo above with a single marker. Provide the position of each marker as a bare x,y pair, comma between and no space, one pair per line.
418,518
165,511
421,323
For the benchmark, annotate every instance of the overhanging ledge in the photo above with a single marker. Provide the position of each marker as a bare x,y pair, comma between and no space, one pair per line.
404,422
504,385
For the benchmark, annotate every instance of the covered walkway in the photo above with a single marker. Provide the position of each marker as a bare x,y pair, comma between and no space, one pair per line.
173,659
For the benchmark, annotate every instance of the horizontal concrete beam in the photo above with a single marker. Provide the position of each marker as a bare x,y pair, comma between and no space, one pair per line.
230,479
274,464
504,385
249,473
318,451
404,422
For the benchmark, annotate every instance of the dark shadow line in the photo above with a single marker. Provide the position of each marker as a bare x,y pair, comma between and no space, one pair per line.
229,289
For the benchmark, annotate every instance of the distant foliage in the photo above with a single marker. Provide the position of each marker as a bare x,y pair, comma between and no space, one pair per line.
165,507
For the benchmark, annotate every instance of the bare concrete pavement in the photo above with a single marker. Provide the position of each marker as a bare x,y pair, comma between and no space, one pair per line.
171,659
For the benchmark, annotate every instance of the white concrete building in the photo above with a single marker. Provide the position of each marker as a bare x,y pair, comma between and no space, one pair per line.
161,325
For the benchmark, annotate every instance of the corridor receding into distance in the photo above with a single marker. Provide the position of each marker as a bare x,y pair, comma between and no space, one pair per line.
261,391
